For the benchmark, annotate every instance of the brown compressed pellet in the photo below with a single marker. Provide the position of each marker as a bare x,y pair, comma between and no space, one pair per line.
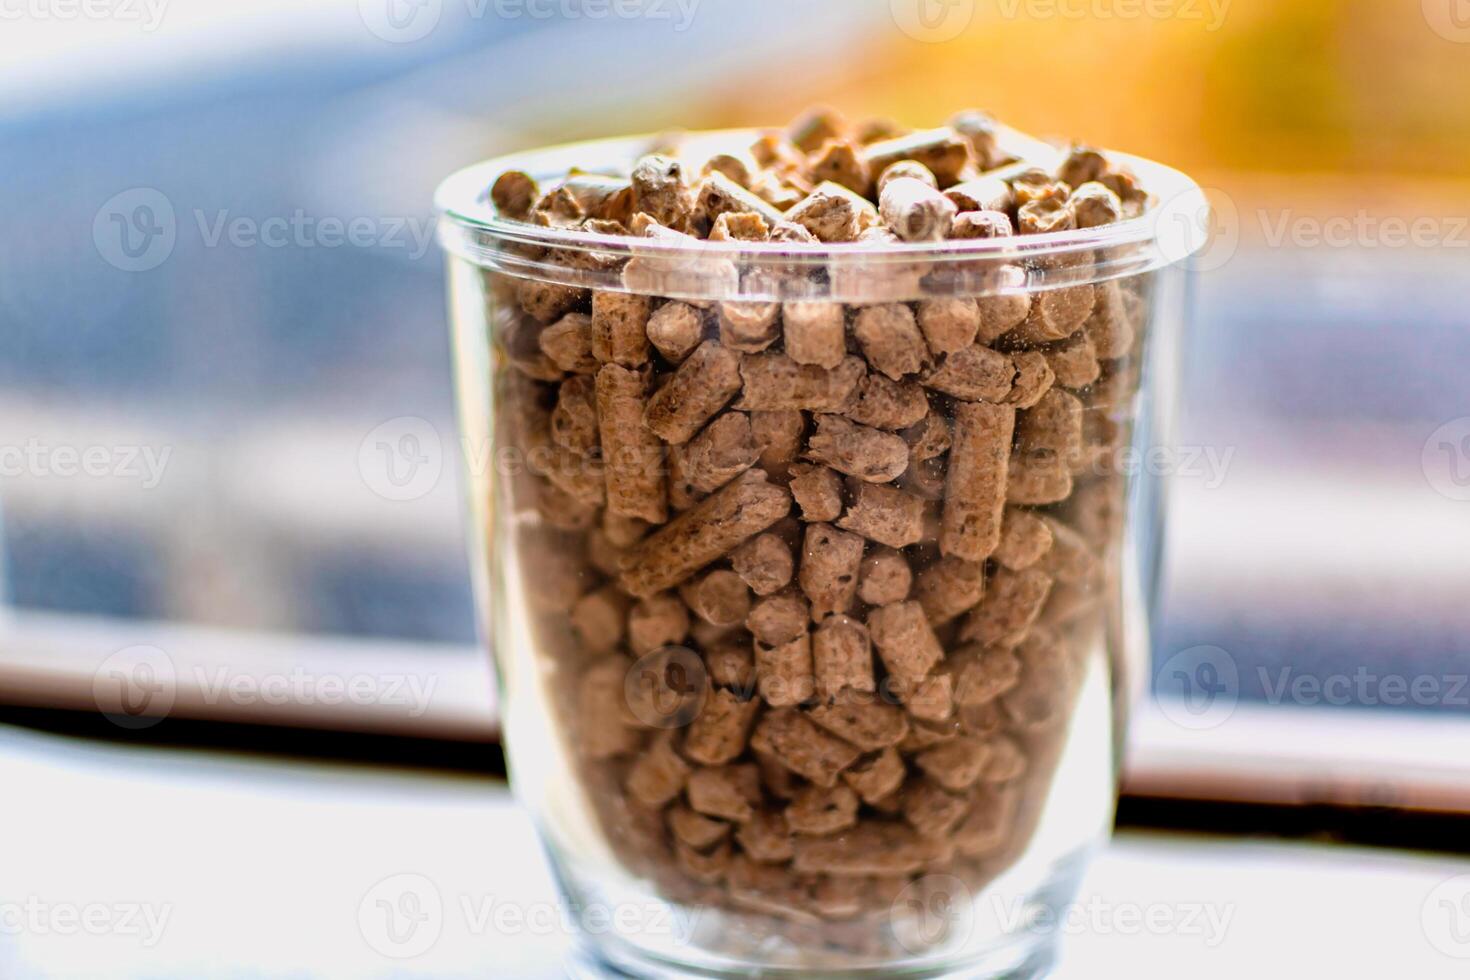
1055,315
695,830
1053,425
976,485
833,213
863,721
929,438
778,437
574,420
737,512
778,781
601,728
658,776
840,161
857,450
823,810
870,848
779,618
1092,204
598,619
885,404
815,333
522,342
884,577
659,191
764,563
799,745
842,657
1041,698
990,194
911,169
719,733
700,387
727,792
949,324
1110,327
657,621
1045,215
732,166
719,598
783,671
980,224
829,569
775,382
980,129
722,451
906,643
886,515
749,327
766,838
933,699
1071,560
1014,602
987,826
877,776
931,809
1038,478
1034,378
891,340
950,587
513,193
731,663
915,211
1007,761
1074,361
632,455
568,344
1024,539
943,151
818,492
620,328
675,330
547,302
718,194
739,226
974,373
1001,313
815,127
956,764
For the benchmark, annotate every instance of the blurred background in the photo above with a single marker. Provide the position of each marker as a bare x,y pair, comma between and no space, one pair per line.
226,428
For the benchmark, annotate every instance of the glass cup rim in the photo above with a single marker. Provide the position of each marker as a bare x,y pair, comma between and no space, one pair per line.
1174,227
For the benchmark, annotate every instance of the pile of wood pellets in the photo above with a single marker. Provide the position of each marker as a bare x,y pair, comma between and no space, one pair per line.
817,584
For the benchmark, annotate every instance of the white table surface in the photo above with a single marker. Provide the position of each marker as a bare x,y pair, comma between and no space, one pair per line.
138,864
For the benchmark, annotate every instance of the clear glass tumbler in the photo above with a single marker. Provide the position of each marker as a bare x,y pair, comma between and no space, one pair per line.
813,665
